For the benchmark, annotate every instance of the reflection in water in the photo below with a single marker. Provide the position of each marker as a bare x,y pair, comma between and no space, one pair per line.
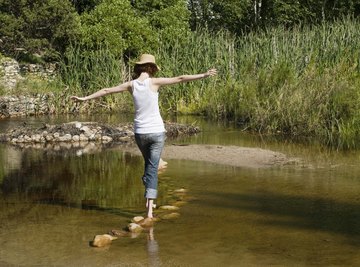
52,203
152,249
106,181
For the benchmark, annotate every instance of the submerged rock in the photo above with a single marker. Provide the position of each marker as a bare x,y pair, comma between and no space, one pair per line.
170,216
179,203
102,240
181,191
169,207
119,233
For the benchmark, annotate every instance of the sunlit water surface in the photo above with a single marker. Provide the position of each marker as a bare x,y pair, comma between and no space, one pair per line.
53,203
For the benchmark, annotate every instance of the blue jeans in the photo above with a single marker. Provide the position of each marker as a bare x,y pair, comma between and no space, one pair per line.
151,146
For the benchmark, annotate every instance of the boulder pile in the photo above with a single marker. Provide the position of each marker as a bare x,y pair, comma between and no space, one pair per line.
84,132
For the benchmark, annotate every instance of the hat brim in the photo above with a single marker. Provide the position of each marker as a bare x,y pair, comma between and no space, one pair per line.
143,63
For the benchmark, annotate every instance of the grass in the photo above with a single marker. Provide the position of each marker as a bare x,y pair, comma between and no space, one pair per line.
302,82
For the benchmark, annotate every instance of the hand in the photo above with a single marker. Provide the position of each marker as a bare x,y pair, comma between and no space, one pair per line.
211,72
76,98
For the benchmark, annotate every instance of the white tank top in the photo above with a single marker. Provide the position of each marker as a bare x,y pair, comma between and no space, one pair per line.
147,113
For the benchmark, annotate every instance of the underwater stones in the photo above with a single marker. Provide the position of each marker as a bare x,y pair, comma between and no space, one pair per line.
169,208
102,240
180,191
119,233
170,216
139,224
179,203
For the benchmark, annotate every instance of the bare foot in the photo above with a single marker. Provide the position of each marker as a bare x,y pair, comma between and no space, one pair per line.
162,165
150,208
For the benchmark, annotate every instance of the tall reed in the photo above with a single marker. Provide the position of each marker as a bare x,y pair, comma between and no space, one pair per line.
298,82
302,82
85,71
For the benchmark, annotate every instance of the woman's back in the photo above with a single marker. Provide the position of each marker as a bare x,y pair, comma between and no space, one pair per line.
147,113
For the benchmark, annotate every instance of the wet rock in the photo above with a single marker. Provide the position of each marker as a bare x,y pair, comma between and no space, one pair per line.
65,138
102,240
146,223
76,138
137,219
83,138
134,228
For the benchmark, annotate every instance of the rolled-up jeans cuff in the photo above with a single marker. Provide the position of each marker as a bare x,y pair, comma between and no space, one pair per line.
150,193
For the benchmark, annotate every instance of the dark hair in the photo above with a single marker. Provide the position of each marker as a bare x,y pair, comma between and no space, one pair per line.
149,68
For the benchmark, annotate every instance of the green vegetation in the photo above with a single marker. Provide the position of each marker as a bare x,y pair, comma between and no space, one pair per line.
284,68
301,82
109,179
35,30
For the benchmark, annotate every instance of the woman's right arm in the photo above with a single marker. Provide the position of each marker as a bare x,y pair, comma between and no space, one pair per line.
105,91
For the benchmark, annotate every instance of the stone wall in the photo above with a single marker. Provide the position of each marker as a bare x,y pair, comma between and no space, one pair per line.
11,73
27,105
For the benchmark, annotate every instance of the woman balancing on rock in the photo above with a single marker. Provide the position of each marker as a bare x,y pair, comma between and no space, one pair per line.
148,125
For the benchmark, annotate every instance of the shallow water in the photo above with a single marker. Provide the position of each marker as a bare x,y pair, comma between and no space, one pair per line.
53,203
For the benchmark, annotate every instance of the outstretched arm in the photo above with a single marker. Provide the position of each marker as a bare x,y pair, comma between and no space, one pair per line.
105,91
183,78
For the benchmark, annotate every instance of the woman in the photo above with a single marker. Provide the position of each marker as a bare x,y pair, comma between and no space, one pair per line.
148,125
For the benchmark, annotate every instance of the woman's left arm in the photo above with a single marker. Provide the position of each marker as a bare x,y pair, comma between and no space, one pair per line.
183,78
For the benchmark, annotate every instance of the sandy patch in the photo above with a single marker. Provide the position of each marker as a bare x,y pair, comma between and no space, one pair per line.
226,155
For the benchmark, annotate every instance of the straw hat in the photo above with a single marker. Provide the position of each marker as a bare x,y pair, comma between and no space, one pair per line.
147,58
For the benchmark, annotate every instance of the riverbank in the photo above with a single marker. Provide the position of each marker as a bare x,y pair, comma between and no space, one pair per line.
93,137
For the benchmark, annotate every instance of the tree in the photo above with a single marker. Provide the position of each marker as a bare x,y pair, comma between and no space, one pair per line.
84,5
130,27
42,27
238,16
169,19
115,24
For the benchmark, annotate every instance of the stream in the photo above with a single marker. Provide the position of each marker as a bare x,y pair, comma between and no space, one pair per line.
53,203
